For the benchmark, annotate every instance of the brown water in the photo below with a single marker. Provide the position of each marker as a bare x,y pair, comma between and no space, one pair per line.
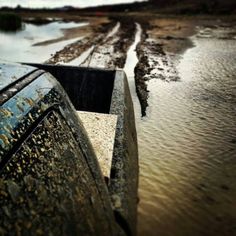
187,146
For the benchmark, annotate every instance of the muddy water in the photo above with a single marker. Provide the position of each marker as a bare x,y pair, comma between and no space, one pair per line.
18,47
187,146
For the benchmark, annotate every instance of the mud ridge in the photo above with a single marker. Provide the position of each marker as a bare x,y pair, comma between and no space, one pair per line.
111,52
127,36
74,50
154,63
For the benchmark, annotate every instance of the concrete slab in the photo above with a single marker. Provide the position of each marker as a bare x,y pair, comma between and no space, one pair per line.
101,129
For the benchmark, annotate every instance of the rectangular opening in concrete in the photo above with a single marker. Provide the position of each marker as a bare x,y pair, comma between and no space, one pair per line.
88,89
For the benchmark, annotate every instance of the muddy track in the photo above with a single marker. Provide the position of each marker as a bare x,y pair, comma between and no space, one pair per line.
154,63
74,50
126,35
142,69
111,52
108,52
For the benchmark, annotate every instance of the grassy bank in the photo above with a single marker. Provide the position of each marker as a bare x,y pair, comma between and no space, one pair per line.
10,22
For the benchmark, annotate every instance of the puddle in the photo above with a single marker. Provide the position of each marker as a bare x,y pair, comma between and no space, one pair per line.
113,31
132,58
187,153
132,61
17,47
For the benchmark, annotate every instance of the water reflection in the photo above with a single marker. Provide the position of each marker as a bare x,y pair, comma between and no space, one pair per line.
187,146
17,47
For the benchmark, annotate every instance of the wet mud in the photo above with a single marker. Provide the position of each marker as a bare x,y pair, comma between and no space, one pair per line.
111,51
144,67
155,62
126,35
163,41
112,47
92,37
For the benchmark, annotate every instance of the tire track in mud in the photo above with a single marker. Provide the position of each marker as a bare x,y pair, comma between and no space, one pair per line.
102,54
74,50
153,63
107,47
110,43
112,51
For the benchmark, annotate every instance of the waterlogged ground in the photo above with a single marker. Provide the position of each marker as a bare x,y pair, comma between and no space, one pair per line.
185,114
20,46
187,146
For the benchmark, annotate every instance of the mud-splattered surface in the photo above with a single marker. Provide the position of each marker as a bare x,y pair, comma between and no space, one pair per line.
45,188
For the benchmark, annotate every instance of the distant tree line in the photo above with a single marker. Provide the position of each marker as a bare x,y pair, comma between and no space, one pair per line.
10,21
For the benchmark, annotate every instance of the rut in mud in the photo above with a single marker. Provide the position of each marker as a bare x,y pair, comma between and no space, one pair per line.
110,43
107,47
111,52
74,50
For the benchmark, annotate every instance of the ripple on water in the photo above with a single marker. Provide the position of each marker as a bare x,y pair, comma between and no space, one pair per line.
187,149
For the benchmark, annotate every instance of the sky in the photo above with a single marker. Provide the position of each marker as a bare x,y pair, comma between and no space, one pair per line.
60,3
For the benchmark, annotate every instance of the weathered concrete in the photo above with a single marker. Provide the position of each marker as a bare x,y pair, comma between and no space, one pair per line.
101,130
124,174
